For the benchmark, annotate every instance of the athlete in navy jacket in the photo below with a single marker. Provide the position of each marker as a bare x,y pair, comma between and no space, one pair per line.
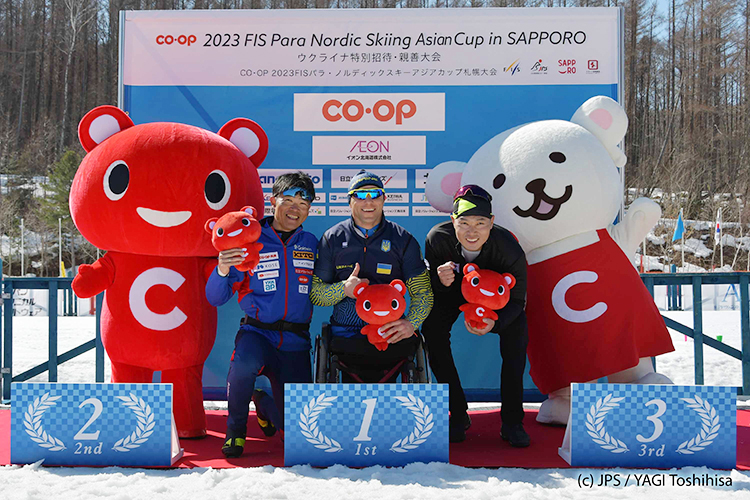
274,337
369,248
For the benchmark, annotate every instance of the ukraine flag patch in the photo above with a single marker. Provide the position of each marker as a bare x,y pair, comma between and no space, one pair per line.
384,269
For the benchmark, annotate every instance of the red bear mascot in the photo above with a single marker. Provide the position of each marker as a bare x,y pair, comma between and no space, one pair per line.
143,194
378,305
486,292
237,230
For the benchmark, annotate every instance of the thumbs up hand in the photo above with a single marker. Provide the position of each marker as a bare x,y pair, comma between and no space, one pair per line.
352,281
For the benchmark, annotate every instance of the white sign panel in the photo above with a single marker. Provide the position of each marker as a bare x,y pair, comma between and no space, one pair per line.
379,47
369,150
379,111
268,176
340,178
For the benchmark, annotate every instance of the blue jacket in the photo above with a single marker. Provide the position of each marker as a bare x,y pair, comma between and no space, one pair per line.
390,253
279,288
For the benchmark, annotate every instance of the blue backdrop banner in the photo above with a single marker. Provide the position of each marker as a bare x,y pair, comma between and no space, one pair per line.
365,424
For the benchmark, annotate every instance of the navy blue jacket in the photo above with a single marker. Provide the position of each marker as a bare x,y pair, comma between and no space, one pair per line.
390,253
279,288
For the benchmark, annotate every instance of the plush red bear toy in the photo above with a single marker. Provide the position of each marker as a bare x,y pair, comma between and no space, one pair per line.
143,193
378,305
237,230
486,292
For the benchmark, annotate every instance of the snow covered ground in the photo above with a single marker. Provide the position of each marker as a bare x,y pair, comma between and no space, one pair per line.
417,481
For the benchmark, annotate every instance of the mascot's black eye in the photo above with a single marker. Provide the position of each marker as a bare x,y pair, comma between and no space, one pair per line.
474,281
501,289
498,181
557,157
245,222
394,304
116,180
217,189
366,305
220,231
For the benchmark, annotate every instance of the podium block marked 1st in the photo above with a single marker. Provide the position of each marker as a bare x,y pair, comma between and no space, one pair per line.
365,424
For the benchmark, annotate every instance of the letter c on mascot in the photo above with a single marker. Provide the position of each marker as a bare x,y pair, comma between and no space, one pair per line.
143,193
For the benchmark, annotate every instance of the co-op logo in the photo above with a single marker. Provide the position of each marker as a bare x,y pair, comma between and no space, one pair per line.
179,39
361,111
383,110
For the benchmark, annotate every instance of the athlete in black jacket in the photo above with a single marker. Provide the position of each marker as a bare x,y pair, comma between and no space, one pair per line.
471,236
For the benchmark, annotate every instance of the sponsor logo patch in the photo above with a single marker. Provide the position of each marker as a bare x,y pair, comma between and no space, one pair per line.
268,274
303,271
269,256
306,264
265,266
303,289
303,255
269,286
303,279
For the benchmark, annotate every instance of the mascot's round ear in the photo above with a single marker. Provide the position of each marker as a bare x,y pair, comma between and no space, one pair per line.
359,289
607,121
251,211
249,138
468,268
100,124
210,223
399,286
442,183
510,280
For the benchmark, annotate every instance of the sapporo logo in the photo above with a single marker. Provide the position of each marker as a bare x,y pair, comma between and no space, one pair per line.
383,110
179,39
566,66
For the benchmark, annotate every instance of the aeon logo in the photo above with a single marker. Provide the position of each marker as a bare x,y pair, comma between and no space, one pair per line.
371,147
180,39
382,110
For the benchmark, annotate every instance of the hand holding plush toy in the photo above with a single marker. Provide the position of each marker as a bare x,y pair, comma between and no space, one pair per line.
237,230
486,292
379,305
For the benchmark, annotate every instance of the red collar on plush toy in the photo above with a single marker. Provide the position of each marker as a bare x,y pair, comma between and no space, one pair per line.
237,230
378,305
148,189
485,291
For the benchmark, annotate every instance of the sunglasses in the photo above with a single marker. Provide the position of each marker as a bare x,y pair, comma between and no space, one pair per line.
363,194
302,193
474,190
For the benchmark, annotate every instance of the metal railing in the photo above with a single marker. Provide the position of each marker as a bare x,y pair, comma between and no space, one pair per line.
672,280
53,286
696,280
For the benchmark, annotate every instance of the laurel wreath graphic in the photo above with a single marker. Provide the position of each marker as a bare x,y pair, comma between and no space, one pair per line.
144,428
423,424
308,423
32,420
709,429
595,425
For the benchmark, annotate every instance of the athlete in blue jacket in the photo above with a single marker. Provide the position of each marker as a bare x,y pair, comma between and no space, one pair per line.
274,337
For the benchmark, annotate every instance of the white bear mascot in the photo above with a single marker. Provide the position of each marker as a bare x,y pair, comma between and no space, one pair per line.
555,185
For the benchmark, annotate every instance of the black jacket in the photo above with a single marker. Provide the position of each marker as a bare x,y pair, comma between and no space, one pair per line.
501,253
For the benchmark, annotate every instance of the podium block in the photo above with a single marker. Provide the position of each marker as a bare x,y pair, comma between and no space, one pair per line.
661,426
365,424
93,424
